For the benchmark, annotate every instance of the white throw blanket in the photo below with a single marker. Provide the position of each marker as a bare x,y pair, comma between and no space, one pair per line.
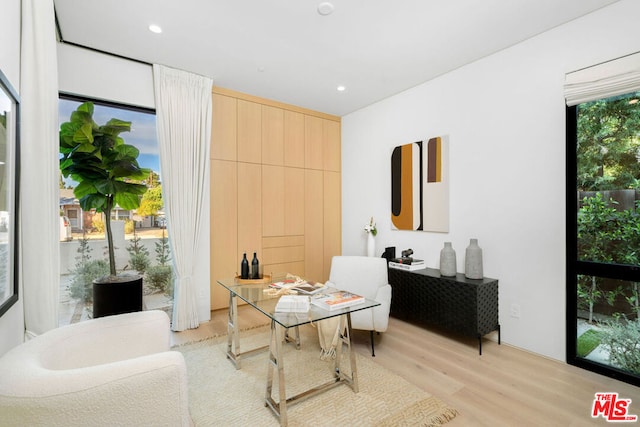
329,335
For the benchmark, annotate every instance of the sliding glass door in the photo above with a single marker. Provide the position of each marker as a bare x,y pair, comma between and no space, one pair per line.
603,236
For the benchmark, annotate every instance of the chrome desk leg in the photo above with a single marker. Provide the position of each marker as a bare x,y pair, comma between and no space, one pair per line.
345,340
276,361
233,339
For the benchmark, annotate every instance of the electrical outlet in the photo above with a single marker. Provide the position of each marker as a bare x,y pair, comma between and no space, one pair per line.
515,311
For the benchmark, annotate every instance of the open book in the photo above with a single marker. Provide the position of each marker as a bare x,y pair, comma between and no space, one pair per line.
308,288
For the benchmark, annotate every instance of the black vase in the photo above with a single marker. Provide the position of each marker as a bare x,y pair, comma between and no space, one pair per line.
244,267
255,267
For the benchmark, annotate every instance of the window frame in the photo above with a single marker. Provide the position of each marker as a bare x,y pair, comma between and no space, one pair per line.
575,267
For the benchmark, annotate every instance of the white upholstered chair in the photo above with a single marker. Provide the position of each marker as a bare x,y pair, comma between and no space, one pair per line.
115,370
366,276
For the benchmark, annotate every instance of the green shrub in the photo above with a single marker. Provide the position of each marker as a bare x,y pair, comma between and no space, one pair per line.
159,278
138,254
622,339
81,286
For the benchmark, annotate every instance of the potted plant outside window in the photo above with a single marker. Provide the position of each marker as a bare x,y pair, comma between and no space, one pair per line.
108,174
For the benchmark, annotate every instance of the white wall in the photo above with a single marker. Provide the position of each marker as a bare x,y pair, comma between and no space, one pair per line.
12,322
92,74
505,118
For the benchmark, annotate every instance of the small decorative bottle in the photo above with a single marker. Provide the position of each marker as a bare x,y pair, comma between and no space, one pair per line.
448,266
473,261
255,267
244,267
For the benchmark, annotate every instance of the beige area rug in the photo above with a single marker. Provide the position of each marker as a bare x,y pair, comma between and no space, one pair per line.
220,395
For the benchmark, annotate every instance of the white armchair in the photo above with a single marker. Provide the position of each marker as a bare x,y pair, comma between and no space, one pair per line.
366,276
115,370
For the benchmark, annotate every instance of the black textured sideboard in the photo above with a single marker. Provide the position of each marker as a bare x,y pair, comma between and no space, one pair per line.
458,304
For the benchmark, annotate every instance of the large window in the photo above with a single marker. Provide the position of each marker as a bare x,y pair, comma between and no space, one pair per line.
142,243
603,236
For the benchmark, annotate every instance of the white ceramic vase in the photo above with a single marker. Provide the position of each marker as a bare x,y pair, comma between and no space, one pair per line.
473,261
371,245
448,266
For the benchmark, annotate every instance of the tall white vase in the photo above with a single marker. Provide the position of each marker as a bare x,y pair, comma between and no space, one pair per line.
473,261
448,265
371,245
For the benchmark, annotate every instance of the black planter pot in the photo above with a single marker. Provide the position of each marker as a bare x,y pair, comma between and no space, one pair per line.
117,295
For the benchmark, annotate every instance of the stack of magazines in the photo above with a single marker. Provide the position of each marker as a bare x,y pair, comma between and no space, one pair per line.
293,304
407,264
336,300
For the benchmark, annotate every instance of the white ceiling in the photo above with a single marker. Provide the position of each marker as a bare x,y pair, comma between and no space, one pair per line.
285,50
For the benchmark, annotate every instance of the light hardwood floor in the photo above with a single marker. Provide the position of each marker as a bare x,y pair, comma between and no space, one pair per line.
503,387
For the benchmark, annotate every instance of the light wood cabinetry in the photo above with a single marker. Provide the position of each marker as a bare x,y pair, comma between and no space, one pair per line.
224,226
249,132
224,128
313,222
293,139
272,135
275,188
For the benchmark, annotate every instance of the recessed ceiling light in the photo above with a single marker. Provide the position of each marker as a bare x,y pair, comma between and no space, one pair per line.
155,28
325,8
341,88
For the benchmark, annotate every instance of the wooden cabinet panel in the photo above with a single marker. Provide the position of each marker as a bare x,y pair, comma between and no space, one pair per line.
294,201
313,145
332,228
313,226
331,142
224,228
249,208
293,139
223,127
249,132
272,135
295,268
283,254
273,200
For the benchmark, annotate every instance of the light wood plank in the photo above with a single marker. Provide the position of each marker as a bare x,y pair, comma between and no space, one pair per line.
313,144
249,206
224,128
295,268
313,225
273,201
293,139
224,228
249,132
332,215
272,135
283,254
332,146
281,241
294,201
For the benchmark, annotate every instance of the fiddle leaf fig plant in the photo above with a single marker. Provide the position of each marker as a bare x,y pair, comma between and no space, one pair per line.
105,168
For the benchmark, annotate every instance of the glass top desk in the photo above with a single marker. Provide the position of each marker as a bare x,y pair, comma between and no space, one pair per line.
264,299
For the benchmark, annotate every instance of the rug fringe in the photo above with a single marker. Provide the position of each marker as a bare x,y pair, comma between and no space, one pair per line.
429,412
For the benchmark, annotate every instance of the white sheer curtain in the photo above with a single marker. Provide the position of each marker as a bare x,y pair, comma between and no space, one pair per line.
39,217
611,78
183,117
